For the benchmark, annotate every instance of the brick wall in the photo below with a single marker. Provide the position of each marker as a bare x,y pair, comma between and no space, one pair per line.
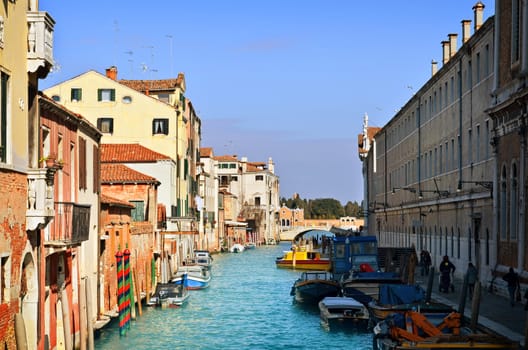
12,242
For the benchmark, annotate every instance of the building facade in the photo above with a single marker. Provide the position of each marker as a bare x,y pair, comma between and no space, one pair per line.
26,55
429,178
155,114
256,187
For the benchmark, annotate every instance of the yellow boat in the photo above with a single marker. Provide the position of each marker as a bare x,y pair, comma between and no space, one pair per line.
303,260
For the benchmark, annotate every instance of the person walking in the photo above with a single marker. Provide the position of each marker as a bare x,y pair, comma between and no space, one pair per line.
512,278
446,270
471,278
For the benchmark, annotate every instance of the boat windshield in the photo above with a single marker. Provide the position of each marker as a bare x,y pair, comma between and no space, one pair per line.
362,260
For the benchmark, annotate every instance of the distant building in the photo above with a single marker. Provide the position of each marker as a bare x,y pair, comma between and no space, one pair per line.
256,188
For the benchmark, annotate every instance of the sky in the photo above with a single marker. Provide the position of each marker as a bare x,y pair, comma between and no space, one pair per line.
286,79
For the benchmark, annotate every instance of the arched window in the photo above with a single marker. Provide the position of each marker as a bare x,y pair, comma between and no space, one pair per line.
514,195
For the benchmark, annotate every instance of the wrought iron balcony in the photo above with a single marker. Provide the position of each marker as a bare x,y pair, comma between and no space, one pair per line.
71,225
40,42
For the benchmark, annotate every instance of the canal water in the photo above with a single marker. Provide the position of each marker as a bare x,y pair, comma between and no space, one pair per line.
247,306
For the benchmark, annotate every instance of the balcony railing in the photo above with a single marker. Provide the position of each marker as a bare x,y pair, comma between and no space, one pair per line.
71,225
40,41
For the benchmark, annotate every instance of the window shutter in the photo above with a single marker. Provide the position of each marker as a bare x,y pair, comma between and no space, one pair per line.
112,95
99,95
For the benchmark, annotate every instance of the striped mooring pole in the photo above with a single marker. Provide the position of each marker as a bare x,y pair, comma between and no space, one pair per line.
127,289
120,293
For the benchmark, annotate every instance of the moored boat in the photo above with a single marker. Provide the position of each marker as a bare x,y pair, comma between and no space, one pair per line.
197,276
236,248
169,295
312,286
413,330
342,311
303,260
400,298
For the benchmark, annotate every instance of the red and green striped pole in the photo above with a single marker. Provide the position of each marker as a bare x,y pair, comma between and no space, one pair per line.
120,290
126,285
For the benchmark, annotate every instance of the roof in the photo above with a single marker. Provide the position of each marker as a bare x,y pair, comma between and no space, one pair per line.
226,158
115,202
154,85
129,153
206,152
119,173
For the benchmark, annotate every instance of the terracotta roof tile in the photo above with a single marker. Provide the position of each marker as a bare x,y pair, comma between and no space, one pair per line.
115,202
129,153
153,85
206,152
226,158
118,173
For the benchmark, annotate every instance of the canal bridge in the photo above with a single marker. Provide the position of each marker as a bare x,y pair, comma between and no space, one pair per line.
290,234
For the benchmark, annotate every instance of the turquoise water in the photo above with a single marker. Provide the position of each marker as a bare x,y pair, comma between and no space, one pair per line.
247,306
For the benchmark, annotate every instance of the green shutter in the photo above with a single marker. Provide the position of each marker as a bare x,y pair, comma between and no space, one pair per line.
99,95
112,95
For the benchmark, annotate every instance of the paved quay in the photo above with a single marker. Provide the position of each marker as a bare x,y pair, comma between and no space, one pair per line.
495,311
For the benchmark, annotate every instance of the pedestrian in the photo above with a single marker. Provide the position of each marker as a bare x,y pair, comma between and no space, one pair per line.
512,278
471,278
422,262
427,262
446,270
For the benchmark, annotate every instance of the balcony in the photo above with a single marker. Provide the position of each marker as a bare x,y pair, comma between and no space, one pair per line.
71,225
40,42
40,208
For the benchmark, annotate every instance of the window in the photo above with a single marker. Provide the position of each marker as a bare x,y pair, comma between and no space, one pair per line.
138,213
515,31
126,99
83,182
259,178
105,95
4,98
105,125
160,126
76,94
163,97
257,201
232,166
234,178
56,98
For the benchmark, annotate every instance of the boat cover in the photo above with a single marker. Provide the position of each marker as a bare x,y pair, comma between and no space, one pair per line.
398,294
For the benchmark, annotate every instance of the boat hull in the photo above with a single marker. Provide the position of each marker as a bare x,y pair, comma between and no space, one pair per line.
312,287
321,264
169,295
342,311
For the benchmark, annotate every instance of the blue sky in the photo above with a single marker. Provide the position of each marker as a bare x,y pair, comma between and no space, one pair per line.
290,80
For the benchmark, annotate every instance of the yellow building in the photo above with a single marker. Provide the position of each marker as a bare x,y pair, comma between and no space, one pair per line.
153,113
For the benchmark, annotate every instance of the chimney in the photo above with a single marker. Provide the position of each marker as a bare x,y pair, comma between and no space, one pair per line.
452,44
111,73
466,27
434,67
445,51
478,10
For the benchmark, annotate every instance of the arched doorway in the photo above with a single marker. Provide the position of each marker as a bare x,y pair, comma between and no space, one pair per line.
29,299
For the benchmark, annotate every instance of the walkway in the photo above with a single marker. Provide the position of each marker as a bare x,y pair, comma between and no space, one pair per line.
495,311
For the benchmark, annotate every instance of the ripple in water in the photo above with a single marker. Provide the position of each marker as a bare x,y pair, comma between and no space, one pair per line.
247,306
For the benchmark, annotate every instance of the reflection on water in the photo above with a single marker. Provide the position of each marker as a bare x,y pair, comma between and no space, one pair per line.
247,305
